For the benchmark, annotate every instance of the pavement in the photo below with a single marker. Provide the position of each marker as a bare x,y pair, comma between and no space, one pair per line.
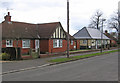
98,68
15,66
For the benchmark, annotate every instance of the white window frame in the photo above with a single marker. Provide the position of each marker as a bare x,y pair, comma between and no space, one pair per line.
84,41
57,43
60,43
25,40
71,42
37,43
8,43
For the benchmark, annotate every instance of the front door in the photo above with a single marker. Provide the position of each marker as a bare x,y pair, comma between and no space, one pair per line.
36,45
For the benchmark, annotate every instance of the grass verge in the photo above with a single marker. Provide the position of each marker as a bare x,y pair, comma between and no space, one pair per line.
81,56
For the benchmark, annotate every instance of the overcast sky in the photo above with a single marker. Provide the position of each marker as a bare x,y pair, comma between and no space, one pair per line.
44,11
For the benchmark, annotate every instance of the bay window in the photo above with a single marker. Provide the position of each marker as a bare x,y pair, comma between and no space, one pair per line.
57,43
26,43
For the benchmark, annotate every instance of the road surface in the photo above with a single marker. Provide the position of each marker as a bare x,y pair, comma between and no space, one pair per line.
98,68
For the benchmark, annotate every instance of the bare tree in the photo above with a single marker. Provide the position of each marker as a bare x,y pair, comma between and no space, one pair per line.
113,22
96,20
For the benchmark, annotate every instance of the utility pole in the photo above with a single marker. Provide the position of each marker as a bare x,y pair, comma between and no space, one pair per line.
119,24
67,28
102,35
118,38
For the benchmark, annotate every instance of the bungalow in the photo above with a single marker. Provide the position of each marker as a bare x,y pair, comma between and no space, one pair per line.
53,38
20,39
90,38
20,36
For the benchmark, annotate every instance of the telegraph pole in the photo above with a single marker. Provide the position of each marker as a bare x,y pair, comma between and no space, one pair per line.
118,40
119,22
102,35
67,28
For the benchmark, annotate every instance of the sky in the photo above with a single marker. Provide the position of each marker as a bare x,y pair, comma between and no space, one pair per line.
45,11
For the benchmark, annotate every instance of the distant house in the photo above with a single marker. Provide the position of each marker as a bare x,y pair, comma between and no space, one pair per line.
114,34
113,40
27,37
90,38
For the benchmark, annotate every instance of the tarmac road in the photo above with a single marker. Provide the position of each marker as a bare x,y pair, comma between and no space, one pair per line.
98,68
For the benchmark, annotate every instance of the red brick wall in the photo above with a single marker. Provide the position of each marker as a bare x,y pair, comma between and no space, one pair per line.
3,43
32,44
14,43
78,44
26,50
61,49
19,43
23,50
44,45
72,46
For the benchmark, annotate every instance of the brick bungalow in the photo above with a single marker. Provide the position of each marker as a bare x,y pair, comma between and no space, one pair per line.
89,38
53,38
19,35
46,38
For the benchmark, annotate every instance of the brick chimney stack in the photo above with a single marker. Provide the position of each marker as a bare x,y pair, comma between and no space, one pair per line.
8,17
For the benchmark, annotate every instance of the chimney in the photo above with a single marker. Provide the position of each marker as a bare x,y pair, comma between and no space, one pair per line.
106,31
8,17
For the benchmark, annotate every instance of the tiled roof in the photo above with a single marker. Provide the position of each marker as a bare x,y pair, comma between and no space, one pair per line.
18,30
89,33
29,31
45,30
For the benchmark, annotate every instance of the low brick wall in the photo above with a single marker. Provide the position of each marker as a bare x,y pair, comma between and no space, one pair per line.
62,54
51,55
26,57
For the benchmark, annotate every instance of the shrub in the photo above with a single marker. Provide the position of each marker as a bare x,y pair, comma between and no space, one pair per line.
4,56
34,55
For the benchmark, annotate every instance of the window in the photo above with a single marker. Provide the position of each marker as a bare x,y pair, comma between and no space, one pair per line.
84,41
99,41
105,41
26,43
57,43
93,41
9,43
37,43
71,42
60,43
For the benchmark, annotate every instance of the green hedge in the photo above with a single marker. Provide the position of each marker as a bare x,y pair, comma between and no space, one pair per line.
4,56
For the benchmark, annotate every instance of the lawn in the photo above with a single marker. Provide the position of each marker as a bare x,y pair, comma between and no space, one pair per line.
81,56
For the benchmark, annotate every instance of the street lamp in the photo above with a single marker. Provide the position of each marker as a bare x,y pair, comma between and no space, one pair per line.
102,34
